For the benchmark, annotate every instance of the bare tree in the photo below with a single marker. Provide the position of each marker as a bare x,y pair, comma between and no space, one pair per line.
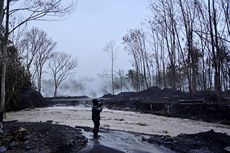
39,10
1,53
4,60
1,14
189,14
111,49
45,49
158,35
132,48
135,41
215,46
131,77
163,27
122,80
193,38
34,44
225,4
61,65
35,48
30,10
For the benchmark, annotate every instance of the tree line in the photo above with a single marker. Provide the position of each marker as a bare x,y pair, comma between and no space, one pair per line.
184,44
24,53
37,51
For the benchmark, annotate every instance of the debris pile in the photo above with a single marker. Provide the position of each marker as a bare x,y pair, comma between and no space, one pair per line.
40,137
209,141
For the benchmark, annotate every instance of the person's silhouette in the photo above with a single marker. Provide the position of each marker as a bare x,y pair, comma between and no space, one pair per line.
96,110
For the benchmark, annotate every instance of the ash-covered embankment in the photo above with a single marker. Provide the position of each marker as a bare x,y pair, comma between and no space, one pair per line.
169,102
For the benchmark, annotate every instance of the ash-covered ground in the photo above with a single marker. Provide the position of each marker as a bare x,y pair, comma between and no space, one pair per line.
160,132
40,137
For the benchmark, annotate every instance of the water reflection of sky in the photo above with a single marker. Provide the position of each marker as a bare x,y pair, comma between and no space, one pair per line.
124,141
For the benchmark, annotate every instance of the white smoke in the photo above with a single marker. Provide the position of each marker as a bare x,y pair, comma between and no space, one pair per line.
73,86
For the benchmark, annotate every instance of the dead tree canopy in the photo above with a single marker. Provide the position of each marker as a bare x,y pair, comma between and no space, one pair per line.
61,65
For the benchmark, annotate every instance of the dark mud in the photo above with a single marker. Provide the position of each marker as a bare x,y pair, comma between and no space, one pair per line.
205,142
21,137
155,93
130,142
174,103
40,137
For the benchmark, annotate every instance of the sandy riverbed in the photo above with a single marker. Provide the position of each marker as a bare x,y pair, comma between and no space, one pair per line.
118,120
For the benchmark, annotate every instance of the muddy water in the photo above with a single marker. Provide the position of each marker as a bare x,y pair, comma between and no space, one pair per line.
123,141
118,120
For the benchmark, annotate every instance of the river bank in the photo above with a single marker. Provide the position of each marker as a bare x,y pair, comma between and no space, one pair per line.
142,127
40,137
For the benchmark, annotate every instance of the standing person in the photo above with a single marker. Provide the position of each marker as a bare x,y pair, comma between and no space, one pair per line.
96,110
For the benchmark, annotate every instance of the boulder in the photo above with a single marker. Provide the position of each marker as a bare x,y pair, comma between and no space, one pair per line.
227,149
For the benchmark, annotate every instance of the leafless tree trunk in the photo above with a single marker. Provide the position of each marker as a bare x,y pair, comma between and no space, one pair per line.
1,56
163,62
132,48
112,51
188,11
121,76
204,86
61,65
43,55
4,60
166,27
225,4
35,10
215,46
143,56
135,42
1,14
30,46
157,54
203,57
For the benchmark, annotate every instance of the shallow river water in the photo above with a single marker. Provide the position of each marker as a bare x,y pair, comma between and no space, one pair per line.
118,120
123,141
122,121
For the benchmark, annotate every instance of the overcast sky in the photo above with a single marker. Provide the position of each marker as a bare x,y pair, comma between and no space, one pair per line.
91,26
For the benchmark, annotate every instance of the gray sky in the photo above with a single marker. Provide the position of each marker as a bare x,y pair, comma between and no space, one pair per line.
91,26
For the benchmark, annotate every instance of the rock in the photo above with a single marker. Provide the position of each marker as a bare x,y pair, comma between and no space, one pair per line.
143,138
3,149
28,148
20,134
227,149
39,136
27,141
12,144
106,125
21,129
49,121
27,137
